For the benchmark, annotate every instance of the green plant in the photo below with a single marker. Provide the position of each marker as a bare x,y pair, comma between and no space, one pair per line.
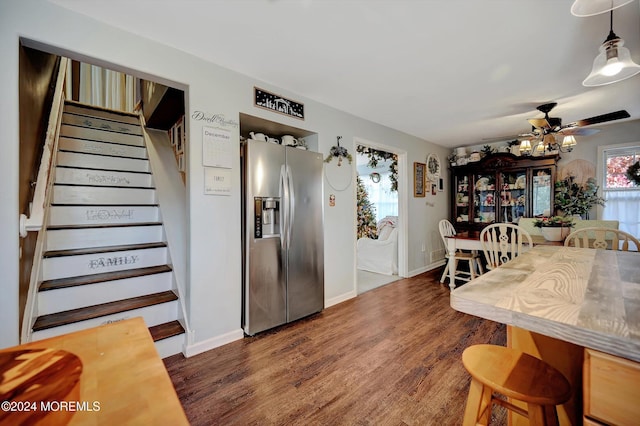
553,222
633,173
573,198
375,156
487,150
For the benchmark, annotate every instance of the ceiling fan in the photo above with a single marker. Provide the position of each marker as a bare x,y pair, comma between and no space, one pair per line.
544,130
541,127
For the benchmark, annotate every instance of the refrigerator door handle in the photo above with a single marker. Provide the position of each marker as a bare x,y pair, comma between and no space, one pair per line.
291,199
283,193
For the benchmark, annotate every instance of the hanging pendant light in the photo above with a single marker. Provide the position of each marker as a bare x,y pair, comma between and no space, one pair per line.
595,7
613,64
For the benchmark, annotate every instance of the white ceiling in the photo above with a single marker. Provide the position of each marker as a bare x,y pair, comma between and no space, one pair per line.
448,71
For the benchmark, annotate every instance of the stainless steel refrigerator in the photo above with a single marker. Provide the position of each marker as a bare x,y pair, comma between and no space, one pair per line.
283,259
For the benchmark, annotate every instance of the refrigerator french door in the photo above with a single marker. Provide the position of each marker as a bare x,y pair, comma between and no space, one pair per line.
283,274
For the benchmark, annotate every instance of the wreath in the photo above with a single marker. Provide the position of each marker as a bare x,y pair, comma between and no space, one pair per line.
338,152
633,173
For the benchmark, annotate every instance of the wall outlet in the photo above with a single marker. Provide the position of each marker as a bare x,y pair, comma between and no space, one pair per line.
423,248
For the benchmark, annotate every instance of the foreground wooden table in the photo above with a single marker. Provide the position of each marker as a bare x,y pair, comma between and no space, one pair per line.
562,304
123,380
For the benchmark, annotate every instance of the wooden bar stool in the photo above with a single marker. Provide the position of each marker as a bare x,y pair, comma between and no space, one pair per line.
516,375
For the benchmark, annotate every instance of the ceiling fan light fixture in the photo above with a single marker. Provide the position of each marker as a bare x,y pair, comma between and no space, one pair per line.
525,147
569,142
595,7
612,64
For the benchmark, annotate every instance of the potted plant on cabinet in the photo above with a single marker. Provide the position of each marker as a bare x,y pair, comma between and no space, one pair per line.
554,228
573,198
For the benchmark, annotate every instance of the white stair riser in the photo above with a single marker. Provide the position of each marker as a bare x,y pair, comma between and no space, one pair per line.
102,148
99,123
68,298
102,177
102,195
87,264
91,161
153,315
90,112
171,345
100,135
99,215
65,239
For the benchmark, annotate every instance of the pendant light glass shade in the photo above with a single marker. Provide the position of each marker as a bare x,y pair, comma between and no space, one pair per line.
525,147
613,64
595,7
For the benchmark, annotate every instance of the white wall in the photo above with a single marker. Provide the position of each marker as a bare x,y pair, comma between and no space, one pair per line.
214,222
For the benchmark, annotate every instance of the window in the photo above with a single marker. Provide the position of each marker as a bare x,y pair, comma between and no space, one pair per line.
623,197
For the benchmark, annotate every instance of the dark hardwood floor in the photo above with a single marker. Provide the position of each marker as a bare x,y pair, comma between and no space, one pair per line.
391,356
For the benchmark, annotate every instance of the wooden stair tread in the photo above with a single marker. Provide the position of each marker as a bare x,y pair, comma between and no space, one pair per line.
99,108
102,225
103,170
102,277
81,185
166,330
89,312
105,249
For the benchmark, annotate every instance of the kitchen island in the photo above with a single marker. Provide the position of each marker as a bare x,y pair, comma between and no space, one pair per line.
570,306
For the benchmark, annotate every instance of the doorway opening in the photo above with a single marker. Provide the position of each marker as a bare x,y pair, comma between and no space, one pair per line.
377,211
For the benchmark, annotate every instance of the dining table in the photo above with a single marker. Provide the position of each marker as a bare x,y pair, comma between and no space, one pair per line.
567,305
470,240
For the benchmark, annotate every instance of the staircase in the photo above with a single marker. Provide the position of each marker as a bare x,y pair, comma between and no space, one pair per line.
105,255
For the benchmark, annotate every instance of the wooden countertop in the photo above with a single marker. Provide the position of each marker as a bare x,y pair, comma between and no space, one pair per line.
587,297
121,372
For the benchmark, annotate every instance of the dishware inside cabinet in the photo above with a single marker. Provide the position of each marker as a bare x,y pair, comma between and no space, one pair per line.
513,195
484,198
462,199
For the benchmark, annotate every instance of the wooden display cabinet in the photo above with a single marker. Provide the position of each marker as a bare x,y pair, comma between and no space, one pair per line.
502,188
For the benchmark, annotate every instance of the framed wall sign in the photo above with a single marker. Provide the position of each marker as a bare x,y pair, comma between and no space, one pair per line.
272,102
418,179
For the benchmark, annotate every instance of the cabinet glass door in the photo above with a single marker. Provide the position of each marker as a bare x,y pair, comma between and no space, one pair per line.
462,199
513,195
542,192
484,203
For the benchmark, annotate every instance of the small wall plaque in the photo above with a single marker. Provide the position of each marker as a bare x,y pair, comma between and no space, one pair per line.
276,103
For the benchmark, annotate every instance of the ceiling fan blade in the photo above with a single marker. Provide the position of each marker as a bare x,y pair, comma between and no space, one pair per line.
578,131
539,123
617,115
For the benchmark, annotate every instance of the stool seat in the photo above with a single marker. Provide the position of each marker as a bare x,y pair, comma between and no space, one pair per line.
516,375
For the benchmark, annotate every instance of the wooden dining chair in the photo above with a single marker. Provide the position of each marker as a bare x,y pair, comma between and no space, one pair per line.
602,238
501,242
447,230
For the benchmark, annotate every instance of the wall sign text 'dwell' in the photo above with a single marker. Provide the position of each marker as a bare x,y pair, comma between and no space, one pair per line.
276,103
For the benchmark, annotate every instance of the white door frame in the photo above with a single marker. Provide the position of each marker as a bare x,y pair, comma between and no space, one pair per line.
403,265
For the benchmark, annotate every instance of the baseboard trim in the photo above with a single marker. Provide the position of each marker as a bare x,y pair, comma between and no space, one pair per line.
427,268
339,299
214,342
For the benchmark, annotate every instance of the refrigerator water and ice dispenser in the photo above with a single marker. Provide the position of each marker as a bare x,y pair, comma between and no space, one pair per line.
266,217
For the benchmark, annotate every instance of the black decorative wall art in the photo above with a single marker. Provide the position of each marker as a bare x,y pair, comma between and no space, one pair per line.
276,103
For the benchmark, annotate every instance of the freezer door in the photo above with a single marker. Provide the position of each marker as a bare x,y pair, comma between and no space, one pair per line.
305,265
264,291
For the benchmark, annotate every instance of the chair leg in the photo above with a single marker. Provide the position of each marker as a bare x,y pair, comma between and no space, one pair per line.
472,268
540,416
446,271
478,408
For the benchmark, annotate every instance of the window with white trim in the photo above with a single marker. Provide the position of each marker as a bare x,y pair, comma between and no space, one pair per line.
622,195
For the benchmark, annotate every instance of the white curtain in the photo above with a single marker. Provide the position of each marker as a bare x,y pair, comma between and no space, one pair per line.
380,194
106,88
624,206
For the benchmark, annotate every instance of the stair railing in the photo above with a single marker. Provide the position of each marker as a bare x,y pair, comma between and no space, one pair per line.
38,210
